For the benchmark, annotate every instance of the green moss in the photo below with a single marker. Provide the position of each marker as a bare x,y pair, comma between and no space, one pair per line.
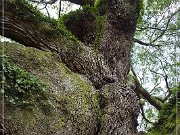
168,119
79,14
77,88
101,7
22,89
29,57
141,9
46,25
99,31
82,14
28,12
73,97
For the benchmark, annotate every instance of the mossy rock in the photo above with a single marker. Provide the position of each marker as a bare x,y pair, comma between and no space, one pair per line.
75,102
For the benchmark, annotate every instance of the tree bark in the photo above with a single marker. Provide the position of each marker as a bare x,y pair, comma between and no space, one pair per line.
79,58
122,109
108,70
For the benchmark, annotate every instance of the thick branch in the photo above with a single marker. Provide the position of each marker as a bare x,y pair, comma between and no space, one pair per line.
118,35
39,33
140,90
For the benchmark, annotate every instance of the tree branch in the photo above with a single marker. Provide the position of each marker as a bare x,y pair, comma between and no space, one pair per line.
78,2
165,77
143,114
140,90
145,44
145,28
166,27
31,30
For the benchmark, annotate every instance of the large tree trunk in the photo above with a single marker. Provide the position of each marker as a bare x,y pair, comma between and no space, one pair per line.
122,109
118,101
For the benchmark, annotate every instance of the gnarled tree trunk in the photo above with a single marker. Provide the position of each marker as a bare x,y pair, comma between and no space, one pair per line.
107,72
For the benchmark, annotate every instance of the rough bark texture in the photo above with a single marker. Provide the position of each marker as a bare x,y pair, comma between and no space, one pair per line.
76,56
117,38
118,102
120,110
83,26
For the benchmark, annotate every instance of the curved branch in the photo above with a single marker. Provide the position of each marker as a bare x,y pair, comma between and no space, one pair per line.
145,44
140,90
33,31
143,114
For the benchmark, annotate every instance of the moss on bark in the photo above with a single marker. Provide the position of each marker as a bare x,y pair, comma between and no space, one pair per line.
75,102
169,118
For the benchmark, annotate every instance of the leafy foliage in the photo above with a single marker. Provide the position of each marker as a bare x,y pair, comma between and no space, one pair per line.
155,59
22,89
157,5
168,119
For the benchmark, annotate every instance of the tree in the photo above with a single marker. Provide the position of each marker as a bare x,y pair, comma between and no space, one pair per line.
95,42
157,55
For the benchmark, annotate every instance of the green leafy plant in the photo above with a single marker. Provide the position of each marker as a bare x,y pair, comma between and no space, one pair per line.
22,89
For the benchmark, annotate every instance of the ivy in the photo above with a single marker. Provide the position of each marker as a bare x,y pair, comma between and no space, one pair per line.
22,89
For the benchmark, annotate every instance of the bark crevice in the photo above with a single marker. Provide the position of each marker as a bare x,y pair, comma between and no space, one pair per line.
107,70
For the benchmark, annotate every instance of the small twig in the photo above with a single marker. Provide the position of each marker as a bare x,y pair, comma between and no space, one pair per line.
156,72
59,8
167,25
43,7
145,28
155,87
167,84
143,114
47,12
145,44
165,77
44,2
